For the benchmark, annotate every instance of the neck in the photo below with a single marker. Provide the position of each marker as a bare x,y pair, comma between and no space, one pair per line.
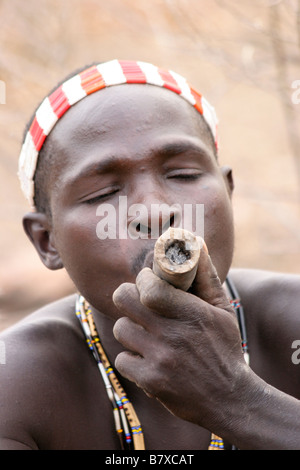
104,325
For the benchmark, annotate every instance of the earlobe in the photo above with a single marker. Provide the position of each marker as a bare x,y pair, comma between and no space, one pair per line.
228,178
38,230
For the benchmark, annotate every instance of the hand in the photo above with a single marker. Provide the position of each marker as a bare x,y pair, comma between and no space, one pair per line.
183,348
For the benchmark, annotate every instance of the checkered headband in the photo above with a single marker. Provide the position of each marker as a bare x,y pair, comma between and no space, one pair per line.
115,72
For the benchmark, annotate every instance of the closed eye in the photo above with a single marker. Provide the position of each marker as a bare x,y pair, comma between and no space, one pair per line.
186,177
185,174
100,197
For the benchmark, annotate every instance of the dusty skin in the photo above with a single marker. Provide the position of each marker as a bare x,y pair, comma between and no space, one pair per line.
181,348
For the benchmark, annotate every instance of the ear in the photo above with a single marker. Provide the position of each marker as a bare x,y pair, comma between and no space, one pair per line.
228,178
38,230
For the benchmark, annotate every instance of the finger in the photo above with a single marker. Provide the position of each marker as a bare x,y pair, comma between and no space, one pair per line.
161,297
129,365
133,368
207,284
132,336
127,299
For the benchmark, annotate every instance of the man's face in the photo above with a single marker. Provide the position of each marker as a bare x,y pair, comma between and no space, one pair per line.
145,143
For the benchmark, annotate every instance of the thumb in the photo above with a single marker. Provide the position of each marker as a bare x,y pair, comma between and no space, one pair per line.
207,284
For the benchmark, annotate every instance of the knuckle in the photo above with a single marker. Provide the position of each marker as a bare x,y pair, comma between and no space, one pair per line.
151,382
165,358
150,294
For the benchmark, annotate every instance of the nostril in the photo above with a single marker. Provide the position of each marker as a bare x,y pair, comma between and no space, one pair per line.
171,222
143,228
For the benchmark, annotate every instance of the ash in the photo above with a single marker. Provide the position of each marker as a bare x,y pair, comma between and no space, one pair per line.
176,252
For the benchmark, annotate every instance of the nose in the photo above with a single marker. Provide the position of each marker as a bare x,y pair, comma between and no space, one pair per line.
152,217
152,223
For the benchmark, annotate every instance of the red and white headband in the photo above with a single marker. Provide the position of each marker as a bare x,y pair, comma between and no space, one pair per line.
94,78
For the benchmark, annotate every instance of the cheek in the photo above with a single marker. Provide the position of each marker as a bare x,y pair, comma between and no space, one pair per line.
219,232
97,267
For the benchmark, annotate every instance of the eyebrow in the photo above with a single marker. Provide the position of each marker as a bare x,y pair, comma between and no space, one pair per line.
95,169
113,162
179,147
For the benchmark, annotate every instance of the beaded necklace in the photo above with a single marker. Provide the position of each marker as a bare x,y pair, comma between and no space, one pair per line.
126,421
127,424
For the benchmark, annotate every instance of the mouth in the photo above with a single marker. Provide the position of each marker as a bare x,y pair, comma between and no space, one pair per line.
144,259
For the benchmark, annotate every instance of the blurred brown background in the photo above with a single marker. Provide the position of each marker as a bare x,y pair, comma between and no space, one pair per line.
243,56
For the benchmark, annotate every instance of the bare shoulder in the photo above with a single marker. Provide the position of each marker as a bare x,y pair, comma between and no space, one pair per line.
58,310
272,291
54,324
271,304
36,364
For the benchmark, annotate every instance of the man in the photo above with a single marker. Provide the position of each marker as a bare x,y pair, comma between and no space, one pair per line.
178,355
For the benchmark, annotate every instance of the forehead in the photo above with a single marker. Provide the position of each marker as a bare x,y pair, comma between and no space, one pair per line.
126,118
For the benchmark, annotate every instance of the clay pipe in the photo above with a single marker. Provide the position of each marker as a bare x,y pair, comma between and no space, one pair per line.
176,257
